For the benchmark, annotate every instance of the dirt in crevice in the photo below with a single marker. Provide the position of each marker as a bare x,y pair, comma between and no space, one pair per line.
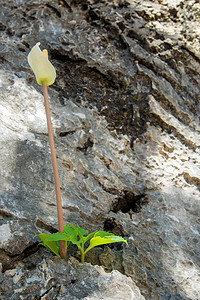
29,257
129,202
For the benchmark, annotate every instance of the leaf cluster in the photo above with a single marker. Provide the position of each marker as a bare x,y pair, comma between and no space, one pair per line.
78,236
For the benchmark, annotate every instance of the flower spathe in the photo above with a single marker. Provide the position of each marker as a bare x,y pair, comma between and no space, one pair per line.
41,66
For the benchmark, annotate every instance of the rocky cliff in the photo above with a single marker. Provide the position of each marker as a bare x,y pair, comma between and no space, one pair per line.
125,112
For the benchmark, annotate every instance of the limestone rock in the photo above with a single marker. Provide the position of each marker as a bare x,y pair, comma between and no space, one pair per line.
125,113
57,279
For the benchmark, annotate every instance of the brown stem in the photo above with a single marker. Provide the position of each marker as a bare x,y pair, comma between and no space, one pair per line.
55,169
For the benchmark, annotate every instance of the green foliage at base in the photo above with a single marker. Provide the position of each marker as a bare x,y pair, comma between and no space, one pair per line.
78,236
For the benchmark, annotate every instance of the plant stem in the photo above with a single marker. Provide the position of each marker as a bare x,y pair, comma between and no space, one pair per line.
82,257
81,249
55,169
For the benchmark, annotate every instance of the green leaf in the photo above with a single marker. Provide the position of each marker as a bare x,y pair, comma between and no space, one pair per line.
113,238
89,236
43,236
72,233
51,245
103,233
58,236
76,234
81,232
98,240
58,245
66,245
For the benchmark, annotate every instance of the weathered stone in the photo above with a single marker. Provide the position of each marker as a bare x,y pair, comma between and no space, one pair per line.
58,279
125,112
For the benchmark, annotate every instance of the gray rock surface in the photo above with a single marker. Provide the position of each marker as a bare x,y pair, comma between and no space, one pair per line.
125,112
56,279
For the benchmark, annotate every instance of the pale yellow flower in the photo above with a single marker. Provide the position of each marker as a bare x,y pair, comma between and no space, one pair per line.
41,66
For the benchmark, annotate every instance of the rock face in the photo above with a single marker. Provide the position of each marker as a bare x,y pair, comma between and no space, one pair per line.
55,279
125,111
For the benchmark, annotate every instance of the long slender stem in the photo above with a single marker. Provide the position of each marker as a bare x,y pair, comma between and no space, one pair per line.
82,257
55,169
81,248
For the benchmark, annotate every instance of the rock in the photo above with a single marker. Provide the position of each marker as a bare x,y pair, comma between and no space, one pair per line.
57,279
125,113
